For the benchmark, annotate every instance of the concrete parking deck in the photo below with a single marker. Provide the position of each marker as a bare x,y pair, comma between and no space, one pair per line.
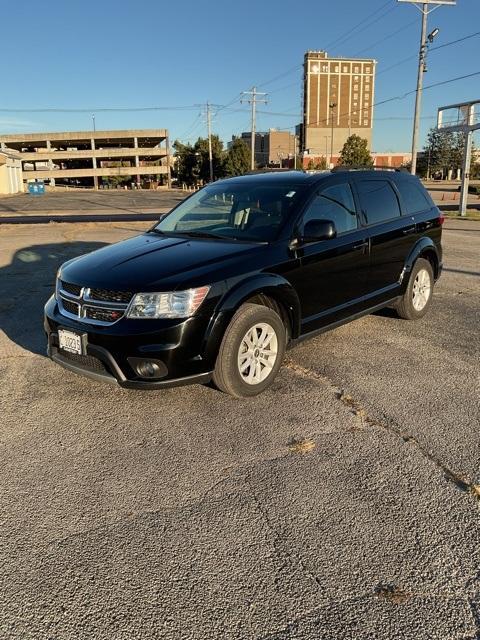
341,504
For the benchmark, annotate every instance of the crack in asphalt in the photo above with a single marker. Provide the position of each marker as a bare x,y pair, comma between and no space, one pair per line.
295,559
461,481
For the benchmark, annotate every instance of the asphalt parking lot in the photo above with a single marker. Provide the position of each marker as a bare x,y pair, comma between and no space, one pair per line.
341,504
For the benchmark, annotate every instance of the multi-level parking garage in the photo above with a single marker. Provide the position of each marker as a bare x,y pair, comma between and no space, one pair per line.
94,158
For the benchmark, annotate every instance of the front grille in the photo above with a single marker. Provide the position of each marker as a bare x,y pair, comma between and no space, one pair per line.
93,305
104,315
73,289
86,362
71,307
111,296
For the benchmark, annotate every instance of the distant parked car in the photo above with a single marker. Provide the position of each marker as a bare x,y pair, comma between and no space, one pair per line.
240,271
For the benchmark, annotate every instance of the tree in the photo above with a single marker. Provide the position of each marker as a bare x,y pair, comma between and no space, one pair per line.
238,158
201,150
192,163
186,163
317,165
438,151
355,152
443,151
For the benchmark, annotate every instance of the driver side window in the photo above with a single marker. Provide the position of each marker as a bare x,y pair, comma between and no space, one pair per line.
334,203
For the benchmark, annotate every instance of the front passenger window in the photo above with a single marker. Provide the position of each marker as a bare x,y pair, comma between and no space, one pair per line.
334,203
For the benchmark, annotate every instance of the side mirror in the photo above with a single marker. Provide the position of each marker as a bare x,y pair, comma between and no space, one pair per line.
315,230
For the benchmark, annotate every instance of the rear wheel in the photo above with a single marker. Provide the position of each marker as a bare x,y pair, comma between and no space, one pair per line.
418,296
251,352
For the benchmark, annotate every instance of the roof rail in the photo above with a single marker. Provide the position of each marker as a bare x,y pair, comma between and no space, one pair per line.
365,168
268,170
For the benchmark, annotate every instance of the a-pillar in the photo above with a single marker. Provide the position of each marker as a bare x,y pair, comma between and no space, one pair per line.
94,163
137,160
50,163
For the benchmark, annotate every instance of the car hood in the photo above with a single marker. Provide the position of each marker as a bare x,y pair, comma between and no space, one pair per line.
153,262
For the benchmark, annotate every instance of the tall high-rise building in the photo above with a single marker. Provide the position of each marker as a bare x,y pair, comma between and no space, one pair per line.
338,97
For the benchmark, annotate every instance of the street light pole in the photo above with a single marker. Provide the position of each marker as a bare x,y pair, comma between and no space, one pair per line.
209,127
332,107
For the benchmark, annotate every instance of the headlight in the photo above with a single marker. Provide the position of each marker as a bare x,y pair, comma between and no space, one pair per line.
57,282
174,304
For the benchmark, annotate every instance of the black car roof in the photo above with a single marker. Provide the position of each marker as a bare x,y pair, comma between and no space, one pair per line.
302,177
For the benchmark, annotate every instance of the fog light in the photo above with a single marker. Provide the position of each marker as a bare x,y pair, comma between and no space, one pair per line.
151,368
148,369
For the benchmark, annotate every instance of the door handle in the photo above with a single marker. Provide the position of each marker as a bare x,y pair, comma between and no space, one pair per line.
408,231
360,245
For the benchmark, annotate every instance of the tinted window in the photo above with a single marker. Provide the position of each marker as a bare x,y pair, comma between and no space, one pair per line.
378,200
413,197
243,210
335,203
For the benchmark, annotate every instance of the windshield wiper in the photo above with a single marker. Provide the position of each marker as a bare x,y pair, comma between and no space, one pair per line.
201,234
155,230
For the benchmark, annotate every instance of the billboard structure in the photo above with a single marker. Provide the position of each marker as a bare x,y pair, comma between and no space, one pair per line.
461,117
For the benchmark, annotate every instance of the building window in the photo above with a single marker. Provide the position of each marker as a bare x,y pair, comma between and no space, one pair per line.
367,79
325,68
345,69
355,96
365,104
356,69
367,69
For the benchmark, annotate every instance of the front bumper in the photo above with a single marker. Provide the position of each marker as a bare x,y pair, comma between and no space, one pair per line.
176,346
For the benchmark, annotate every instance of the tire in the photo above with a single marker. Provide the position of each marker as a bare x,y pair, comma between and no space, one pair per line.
244,368
417,298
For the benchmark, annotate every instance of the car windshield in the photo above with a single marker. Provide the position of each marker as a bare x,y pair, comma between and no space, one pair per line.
235,211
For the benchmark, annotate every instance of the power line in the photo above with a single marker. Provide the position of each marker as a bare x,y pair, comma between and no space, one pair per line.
399,97
341,38
355,28
447,44
387,37
98,109
441,46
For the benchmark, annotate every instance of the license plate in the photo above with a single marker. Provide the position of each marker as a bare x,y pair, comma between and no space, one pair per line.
70,341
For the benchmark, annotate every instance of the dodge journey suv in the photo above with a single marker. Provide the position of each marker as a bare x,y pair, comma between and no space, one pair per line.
241,270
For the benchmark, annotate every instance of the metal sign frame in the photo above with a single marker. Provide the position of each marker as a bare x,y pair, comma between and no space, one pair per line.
450,2
468,126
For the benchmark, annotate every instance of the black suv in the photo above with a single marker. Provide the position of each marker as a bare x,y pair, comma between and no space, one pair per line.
239,271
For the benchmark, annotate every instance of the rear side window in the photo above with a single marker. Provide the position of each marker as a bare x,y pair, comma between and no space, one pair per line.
413,197
379,201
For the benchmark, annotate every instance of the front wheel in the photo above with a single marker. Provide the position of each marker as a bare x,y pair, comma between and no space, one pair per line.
251,352
418,296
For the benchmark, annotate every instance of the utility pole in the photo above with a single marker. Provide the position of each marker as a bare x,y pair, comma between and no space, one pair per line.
208,113
422,67
332,107
418,95
252,100
93,120
209,129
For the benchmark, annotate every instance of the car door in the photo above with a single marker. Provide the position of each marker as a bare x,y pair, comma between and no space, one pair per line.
390,233
332,276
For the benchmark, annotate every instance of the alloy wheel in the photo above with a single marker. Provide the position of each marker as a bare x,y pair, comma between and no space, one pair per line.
257,353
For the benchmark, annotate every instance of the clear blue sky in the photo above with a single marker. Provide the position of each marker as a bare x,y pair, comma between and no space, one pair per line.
142,53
